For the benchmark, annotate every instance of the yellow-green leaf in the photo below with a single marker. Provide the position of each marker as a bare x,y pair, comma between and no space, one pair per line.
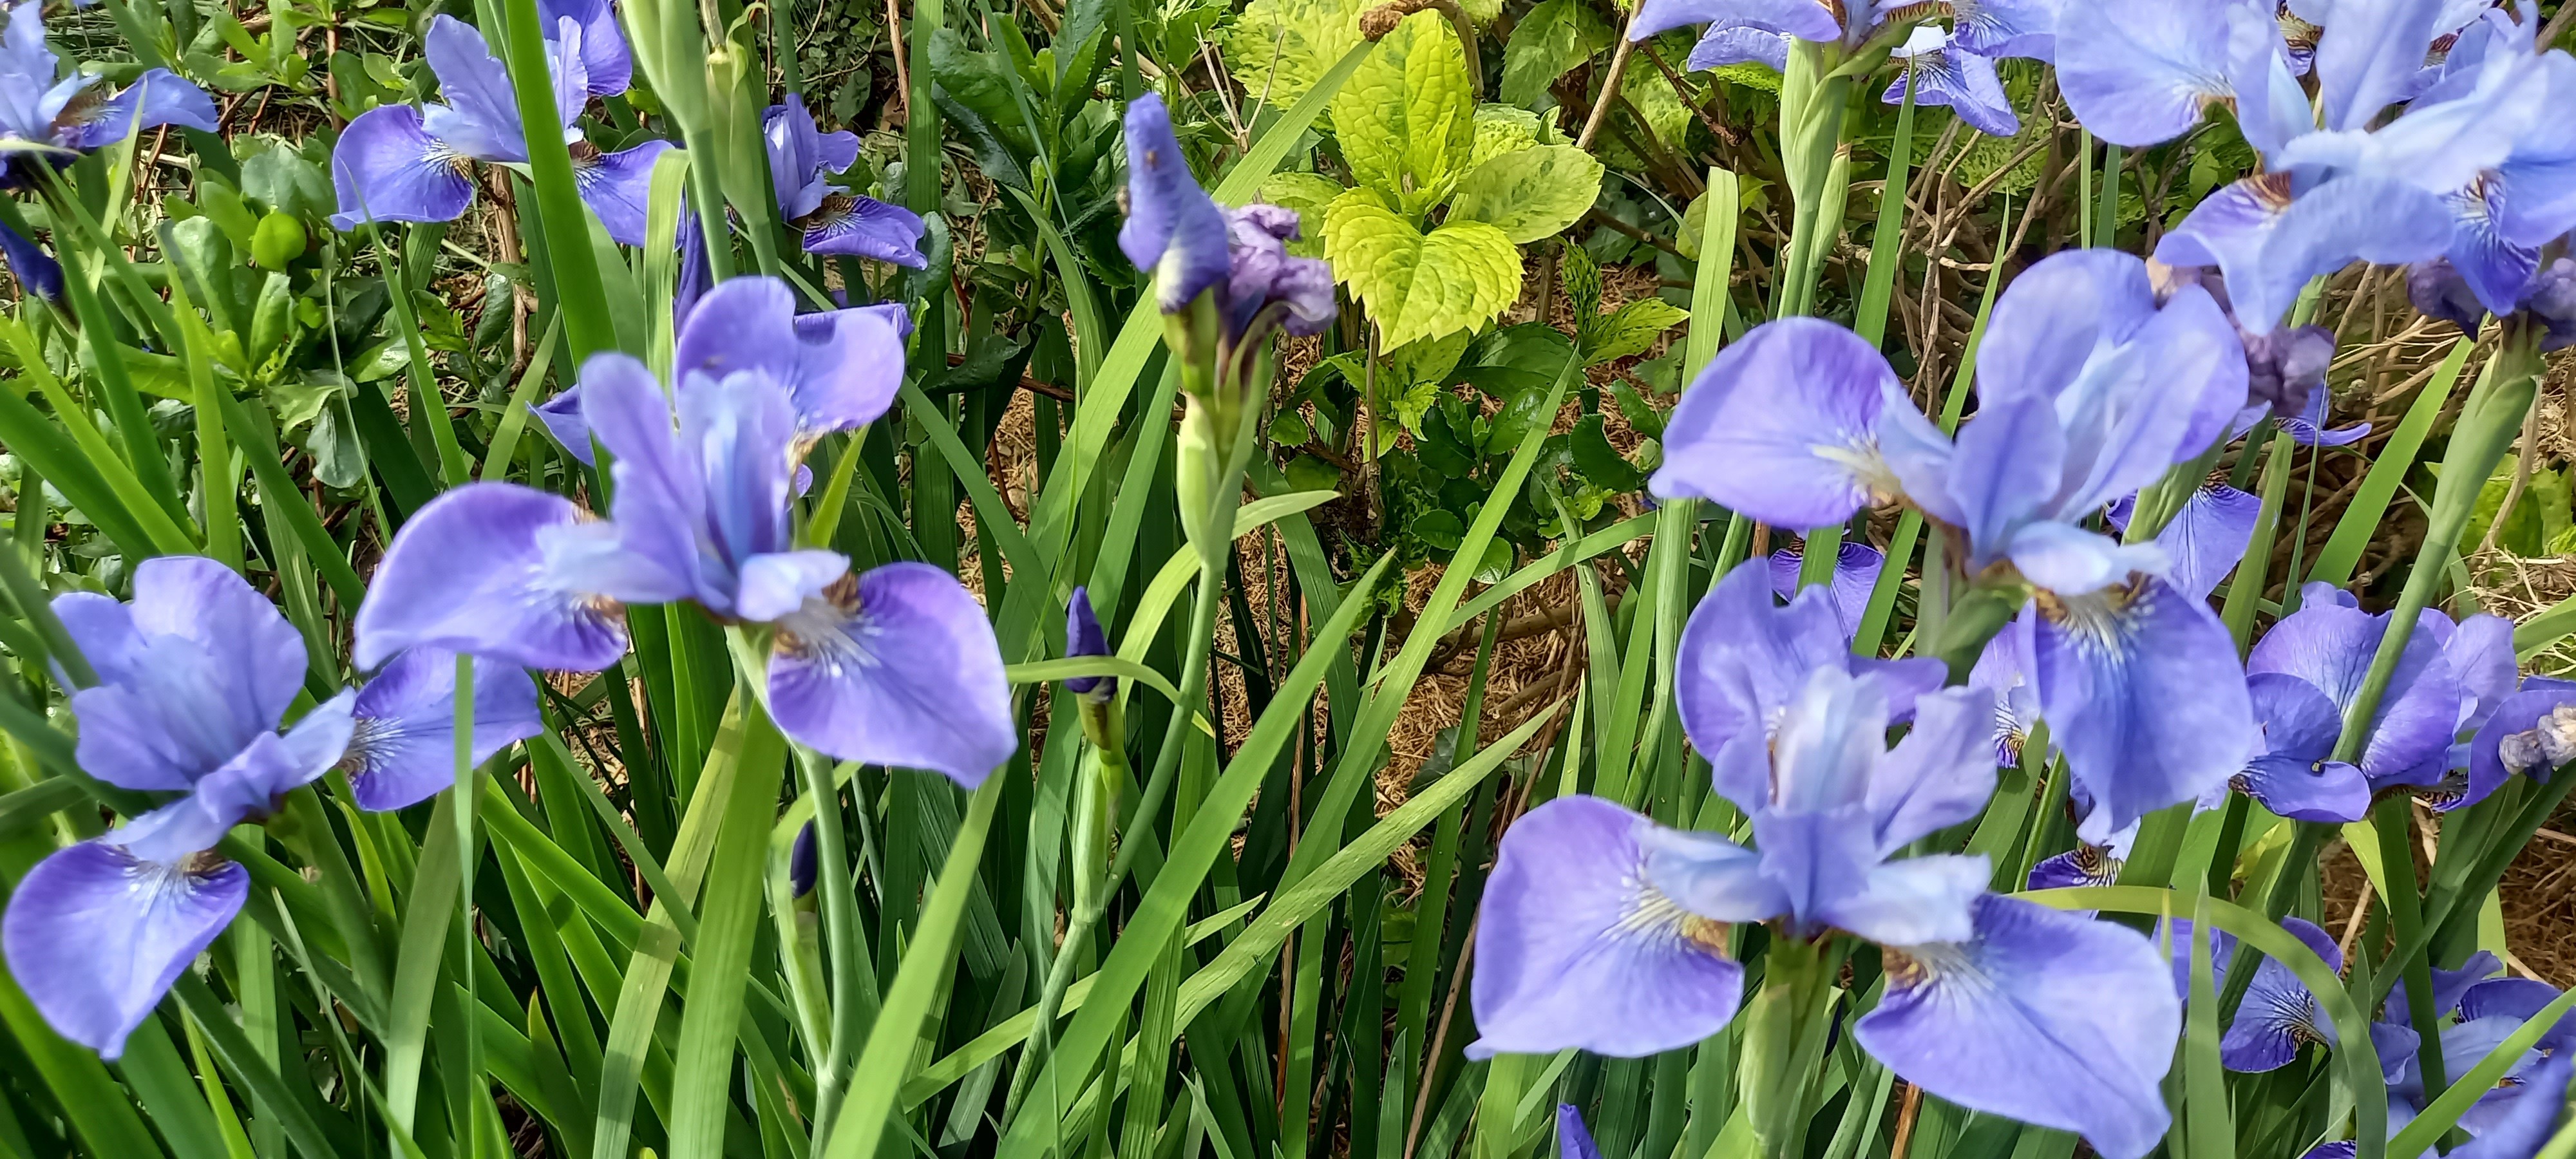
1406,121
1630,329
1530,194
1279,49
1554,37
1503,129
1417,286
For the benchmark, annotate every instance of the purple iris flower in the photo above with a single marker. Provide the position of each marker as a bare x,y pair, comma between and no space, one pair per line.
399,163
1744,659
2531,732
2003,670
2279,1015
195,675
1193,245
2090,863
2461,295
841,367
37,271
1856,568
1944,72
402,746
1083,637
40,114
2285,367
896,666
834,221
1604,931
1742,30
2487,1012
2207,536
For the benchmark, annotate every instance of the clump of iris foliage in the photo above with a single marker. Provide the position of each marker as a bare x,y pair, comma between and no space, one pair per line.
600,729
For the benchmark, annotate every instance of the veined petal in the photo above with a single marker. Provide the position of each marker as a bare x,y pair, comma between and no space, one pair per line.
1172,228
403,750
2269,243
855,226
1723,45
2495,269
2293,777
2331,648
740,431
842,368
1941,774
2278,1015
1914,901
2451,988
158,97
663,532
388,168
2003,669
1804,19
2208,537
607,65
246,787
1955,78
1780,426
1856,568
471,572
2139,72
2522,1124
1576,948
617,185
2143,692
2370,53
2002,28
481,116
2059,315
2085,865
193,669
2036,992
95,936
896,666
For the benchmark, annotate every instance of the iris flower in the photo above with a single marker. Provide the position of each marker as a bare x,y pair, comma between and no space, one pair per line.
402,743
1856,568
834,221
2444,289
2339,183
399,163
895,666
1743,660
1944,72
2507,1122
1604,931
2207,536
2088,389
1760,30
2279,1015
2531,732
195,675
1193,245
40,114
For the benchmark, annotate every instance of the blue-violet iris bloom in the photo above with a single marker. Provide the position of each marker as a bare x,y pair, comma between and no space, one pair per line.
40,114
897,666
399,163
1736,31
834,221
1195,246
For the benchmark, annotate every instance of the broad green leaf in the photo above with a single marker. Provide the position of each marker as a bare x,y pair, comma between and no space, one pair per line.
1427,361
1419,286
1530,194
1504,129
1407,119
1280,49
1630,329
1308,194
1552,38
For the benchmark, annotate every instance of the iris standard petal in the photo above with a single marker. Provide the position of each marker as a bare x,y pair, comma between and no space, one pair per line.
1780,426
2482,659
841,367
2036,992
740,433
2279,1015
852,225
471,572
2143,692
796,163
386,167
607,66
403,749
193,669
2270,243
1804,19
1742,660
95,936
158,97
2010,460
2139,72
27,76
1856,568
1576,949
2331,648
481,116
1944,75
663,530
1172,228
617,185
1722,45
1941,774
895,666
2370,52
245,788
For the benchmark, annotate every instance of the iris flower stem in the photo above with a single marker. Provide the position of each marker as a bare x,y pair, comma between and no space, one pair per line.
464,814
2404,901
1784,1038
853,999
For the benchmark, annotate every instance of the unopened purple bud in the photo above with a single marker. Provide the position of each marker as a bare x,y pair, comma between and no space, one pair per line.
2285,367
2438,291
802,862
1262,271
1083,637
